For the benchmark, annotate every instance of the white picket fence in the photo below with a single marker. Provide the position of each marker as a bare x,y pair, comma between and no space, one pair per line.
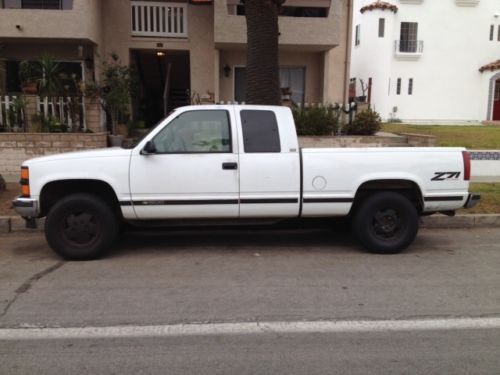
60,108
7,108
150,18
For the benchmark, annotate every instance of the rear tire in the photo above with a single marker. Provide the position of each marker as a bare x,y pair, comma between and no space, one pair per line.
81,227
386,223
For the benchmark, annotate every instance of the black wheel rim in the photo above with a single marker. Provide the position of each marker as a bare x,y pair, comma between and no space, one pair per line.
80,228
387,223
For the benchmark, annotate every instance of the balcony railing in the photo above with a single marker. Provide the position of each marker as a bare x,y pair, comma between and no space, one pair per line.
159,19
409,47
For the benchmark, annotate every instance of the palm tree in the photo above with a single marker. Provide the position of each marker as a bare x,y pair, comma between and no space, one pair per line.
263,84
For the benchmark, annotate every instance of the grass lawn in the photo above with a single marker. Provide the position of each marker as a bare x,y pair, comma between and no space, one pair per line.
490,199
472,137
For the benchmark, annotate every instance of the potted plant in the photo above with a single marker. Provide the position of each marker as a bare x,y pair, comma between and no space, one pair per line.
364,89
27,78
48,76
118,87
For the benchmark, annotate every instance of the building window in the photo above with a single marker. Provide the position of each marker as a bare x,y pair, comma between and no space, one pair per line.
409,37
68,70
358,35
398,87
492,31
42,4
292,81
37,4
292,11
381,27
410,86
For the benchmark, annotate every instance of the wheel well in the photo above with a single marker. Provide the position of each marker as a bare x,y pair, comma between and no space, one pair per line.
55,190
405,187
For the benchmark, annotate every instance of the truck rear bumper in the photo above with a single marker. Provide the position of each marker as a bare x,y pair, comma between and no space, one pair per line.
472,200
26,207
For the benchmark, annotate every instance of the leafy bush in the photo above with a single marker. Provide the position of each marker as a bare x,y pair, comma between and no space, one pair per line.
47,124
120,84
321,120
366,123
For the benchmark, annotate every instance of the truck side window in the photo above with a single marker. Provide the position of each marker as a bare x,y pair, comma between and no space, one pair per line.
196,132
260,131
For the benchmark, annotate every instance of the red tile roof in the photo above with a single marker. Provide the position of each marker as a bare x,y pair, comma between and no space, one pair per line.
382,5
490,67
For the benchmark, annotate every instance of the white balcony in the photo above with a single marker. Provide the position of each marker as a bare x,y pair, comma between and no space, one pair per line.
408,49
467,3
155,19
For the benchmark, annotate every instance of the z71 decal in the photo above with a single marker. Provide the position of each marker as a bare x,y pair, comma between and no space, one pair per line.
442,176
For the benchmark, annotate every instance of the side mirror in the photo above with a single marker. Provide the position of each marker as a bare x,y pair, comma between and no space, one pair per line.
149,148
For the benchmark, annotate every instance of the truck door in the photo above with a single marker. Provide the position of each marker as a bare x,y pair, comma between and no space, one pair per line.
193,171
269,163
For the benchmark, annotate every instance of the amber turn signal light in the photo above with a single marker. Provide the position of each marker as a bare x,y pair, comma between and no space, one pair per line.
25,182
25,190
25,173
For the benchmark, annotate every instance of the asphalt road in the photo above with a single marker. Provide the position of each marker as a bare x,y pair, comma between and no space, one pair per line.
363,313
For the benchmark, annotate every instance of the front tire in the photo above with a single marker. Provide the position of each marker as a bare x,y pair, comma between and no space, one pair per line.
386,223
81,227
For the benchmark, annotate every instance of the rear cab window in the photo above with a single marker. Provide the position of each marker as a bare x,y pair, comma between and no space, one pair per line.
260,131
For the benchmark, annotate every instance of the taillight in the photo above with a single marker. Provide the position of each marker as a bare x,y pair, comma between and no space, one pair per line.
466,157
25,182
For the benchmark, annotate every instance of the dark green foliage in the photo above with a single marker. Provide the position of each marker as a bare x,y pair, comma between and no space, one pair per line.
120,84
48,76
321,120
366,123
49,124
26,71
3,185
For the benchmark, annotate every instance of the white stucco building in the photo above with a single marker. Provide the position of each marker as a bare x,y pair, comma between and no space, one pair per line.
428,61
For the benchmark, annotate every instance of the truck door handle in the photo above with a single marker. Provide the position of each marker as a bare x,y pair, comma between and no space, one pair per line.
230,166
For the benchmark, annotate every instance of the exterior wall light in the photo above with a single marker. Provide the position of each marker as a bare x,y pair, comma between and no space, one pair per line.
227,71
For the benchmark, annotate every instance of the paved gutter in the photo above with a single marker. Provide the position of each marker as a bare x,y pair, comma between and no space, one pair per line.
15,224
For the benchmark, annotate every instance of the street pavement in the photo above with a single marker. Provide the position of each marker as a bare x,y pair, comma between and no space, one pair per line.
216,302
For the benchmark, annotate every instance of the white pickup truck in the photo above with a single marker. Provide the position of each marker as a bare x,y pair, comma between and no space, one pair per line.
238,164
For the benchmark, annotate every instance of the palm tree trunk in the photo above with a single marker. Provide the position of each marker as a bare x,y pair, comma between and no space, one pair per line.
263,84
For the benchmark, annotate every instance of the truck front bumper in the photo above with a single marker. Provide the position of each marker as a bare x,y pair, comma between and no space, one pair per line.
472,200
26,207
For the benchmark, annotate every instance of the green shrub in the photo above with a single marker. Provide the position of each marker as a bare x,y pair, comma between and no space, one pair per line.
320,120
366,123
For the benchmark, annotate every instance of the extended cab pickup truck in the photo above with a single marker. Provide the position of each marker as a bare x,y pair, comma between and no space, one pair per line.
238,164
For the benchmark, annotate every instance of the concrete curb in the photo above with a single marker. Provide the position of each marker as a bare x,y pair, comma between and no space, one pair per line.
15,224
462,221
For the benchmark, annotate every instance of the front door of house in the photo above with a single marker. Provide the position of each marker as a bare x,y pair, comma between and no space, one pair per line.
496,102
